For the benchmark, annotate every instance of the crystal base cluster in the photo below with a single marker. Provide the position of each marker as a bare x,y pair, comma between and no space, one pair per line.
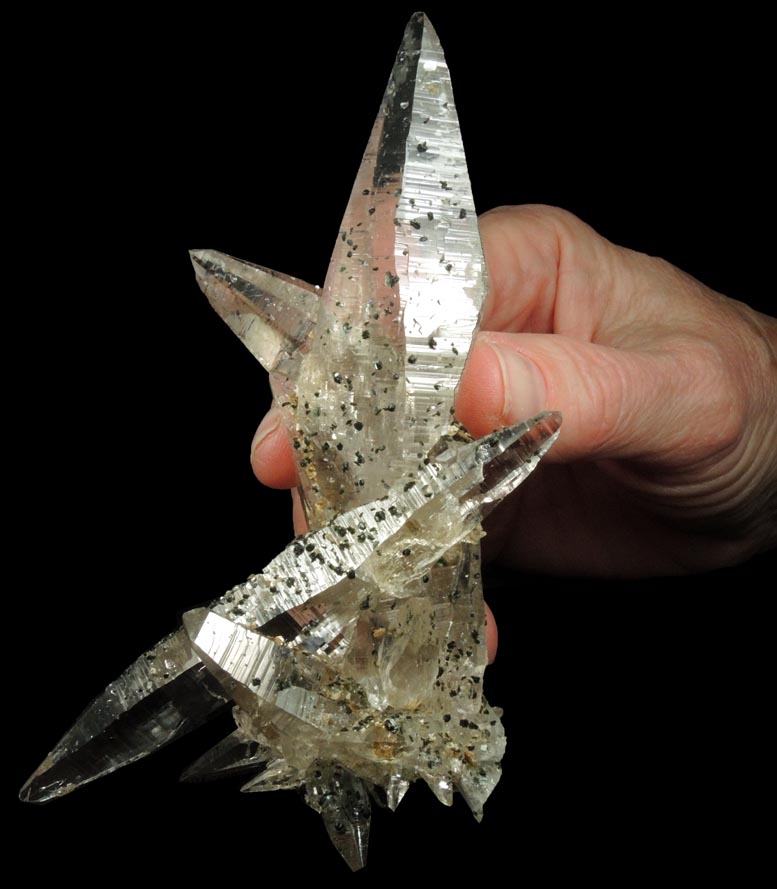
354,661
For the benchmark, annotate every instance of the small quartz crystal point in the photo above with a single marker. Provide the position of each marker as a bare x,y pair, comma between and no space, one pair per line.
164,694
355,658
236,754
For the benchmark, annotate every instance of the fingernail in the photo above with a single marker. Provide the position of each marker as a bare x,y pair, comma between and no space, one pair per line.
270,422
524,385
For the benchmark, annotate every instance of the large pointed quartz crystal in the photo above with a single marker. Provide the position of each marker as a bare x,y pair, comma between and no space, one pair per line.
355,659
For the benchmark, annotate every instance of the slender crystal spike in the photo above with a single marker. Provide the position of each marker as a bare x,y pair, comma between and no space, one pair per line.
235,754
395,791
163,695
476,786
269,312
524,446
401,300
342,801
277,776
441,786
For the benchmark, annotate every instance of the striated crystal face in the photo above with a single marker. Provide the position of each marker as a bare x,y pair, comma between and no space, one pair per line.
355,659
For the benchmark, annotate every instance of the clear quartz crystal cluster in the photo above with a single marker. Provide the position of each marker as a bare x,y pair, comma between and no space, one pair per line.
355,659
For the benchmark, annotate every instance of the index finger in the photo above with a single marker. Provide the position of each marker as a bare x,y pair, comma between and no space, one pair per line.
549,272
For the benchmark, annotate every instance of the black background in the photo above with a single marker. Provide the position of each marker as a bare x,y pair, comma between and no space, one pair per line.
632,709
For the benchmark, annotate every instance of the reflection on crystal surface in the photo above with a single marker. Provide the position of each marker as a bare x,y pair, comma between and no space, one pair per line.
163,695
355,659
237,753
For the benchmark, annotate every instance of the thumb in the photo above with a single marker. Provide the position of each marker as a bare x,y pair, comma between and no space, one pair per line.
611,399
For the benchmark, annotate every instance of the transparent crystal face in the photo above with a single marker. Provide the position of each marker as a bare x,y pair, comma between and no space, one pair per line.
354,661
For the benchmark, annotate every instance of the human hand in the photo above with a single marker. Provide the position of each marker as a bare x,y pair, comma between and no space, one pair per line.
667,459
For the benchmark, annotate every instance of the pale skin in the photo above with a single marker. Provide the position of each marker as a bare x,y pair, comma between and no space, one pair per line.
667,458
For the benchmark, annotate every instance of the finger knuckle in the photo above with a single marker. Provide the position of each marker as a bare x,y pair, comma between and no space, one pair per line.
718,412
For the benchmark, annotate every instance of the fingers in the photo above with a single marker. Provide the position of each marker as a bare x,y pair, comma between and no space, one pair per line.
548,271
615,403
271,456
298,514
492,635
624,345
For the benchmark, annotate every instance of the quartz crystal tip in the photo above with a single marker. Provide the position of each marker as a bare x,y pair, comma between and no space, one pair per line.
271,313
160,697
